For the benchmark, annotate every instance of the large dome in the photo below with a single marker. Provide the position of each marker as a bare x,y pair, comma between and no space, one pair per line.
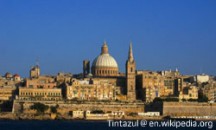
105,60
104,64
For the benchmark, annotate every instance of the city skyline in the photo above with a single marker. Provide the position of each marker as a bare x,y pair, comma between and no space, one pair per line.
165,35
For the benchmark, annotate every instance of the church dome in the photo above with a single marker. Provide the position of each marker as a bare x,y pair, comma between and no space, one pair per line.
104,64
105,60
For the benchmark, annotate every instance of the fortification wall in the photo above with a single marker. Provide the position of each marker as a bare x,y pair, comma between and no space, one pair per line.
65,108
189,109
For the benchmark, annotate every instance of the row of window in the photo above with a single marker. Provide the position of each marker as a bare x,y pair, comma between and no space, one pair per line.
106,72
39,94
41,99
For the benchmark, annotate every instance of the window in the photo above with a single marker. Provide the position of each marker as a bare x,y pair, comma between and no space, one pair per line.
131,69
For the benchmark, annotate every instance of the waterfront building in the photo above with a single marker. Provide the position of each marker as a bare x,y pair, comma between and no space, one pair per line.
209,90
78,114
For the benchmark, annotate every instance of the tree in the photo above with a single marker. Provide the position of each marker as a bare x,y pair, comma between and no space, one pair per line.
192,100
53,109
97,112
157,99
39,107
202,98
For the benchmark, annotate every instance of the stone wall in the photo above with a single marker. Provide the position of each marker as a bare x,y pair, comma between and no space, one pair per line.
189,109
66,107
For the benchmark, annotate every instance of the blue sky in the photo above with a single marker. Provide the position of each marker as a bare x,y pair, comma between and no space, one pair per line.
165,34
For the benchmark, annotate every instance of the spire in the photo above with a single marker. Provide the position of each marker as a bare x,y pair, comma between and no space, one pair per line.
104,48
130,54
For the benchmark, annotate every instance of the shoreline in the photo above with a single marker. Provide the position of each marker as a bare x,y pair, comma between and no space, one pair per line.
47,117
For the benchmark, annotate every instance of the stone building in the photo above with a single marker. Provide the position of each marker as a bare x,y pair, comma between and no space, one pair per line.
83,90
201,78
209,90
104,65
35,72
190,92
44,94
41,82
63,78
39,87
7,93
150,85
8,86
8,76
17,78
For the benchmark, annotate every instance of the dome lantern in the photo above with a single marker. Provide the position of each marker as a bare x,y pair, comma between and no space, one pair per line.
104,48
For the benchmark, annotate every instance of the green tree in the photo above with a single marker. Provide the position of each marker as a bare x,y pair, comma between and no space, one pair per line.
39,107
202,98
53,109
97,112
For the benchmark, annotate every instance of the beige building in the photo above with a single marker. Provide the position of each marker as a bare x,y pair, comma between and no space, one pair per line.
40,94
63,77
202,78
151,85
190,92
17,78
210,90
7,93
41,82
83,90
8,86
35,72
78,114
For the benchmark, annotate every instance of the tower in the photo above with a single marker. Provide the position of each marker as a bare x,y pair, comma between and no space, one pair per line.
35,72
131,76
86,68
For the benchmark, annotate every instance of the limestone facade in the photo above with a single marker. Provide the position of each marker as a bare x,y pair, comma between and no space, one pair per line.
7,93
40,94
85,91
41,82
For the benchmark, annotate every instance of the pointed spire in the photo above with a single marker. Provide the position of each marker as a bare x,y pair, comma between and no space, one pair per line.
104,48
130,54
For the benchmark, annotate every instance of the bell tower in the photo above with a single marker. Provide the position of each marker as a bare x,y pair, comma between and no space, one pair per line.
131,75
